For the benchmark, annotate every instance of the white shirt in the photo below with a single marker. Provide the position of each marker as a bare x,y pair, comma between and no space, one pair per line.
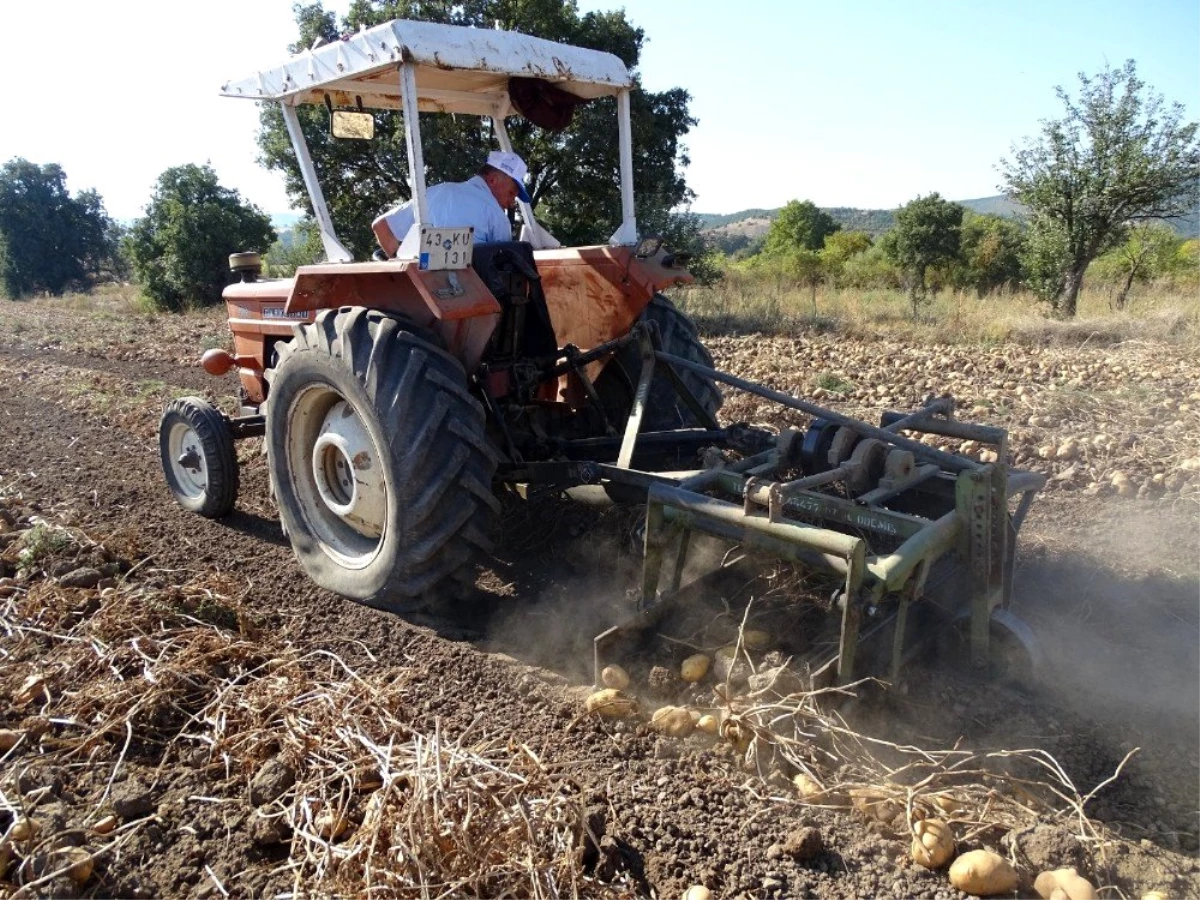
455,204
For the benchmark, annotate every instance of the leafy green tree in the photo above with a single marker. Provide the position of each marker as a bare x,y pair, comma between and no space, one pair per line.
991,250
800,225
573,177
1117,156
927,233
299,246
49,241
840,247
180,250
1149,251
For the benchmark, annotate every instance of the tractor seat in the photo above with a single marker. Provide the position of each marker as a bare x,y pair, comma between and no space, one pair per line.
510,273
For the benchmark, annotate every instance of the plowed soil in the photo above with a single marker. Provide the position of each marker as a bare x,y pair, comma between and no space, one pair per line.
1107,577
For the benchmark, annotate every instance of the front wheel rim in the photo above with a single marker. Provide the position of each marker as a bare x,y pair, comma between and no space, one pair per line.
189,465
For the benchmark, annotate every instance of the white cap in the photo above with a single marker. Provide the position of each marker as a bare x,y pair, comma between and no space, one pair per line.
512,166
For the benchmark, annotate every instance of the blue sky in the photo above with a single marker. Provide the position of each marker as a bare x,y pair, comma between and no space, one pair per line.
865,104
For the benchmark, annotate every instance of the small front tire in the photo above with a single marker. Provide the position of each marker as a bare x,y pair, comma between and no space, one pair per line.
198,457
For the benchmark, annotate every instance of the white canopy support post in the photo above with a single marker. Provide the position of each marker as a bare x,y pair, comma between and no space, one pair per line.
334,250
412,139
627,233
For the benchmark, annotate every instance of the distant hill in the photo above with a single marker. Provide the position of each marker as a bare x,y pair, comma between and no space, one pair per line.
738,230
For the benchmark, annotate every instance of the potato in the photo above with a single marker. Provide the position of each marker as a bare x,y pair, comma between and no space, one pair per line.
808,789
708,724
1067,882
105,825
22,829
756,639
81,863
983,873
614,677
610,704
673,721
874,803
8,738
694,668
932,844
1154,895
697,892
331,824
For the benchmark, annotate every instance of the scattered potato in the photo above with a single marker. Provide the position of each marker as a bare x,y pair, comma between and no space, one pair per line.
983,873
1067,882
874,803
694,668
1154,895
708,724
673,721
756,639
946,803
80,861
614,677
809,790
932,844
697,892
610,703
105,825
331,824
1067,449
22,829
8,739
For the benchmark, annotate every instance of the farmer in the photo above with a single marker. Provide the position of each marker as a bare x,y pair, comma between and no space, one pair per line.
481,202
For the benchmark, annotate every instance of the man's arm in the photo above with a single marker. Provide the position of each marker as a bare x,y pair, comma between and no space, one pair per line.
384,235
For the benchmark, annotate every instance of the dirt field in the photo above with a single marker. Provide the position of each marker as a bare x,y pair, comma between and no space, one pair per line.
179,705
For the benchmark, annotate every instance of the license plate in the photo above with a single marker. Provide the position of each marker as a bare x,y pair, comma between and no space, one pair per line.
446,248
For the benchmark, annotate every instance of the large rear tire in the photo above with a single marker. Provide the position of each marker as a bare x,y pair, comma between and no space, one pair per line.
198,458
378,461
665,410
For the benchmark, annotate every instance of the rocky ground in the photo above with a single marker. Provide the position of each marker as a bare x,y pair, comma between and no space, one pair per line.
183,714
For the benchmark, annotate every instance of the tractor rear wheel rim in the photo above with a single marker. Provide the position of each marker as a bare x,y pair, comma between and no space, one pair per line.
188,464
340,476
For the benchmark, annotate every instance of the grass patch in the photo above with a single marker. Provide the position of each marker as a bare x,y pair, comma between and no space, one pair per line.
766,304
39,543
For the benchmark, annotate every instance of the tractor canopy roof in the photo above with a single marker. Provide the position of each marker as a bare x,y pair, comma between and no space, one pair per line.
457,69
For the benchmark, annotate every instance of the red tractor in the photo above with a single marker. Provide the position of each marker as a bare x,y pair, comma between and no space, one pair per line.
396,396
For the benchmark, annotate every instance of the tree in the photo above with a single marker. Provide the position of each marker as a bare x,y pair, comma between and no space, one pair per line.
1150,249
800,225
840,247
1118,156
573,174
49,241
927,234
991,249
180,250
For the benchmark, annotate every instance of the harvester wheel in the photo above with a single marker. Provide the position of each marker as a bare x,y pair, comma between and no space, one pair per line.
679,336
198,458
1015,656
378,460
